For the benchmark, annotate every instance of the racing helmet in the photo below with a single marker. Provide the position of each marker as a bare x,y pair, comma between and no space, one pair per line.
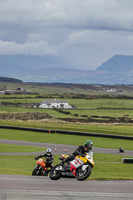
48,151
88,144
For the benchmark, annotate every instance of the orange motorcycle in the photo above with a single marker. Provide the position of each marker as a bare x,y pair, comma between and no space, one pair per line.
40,168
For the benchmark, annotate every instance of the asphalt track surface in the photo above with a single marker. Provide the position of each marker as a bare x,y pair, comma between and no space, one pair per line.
18,187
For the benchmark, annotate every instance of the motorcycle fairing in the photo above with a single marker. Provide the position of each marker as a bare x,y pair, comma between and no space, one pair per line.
41,162
84,167
73,169
75,164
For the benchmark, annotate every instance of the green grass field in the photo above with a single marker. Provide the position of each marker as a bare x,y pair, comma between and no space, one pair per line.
104,128
124,104
95,109
64,139
10,148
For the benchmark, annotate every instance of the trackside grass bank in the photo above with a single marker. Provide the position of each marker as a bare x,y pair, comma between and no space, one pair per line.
64,139
112,129
10,148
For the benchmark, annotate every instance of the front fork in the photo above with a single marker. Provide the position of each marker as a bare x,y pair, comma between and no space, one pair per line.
39,169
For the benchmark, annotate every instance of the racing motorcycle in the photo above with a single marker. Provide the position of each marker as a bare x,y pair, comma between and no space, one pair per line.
80,167
40,168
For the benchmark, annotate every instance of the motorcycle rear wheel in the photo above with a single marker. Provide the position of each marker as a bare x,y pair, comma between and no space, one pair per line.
82,175
55,174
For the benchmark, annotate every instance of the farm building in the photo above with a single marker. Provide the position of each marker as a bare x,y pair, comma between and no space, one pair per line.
55,104
14,91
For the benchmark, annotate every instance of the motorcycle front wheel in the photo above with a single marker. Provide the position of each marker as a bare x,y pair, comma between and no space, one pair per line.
55,173
81,175
36,172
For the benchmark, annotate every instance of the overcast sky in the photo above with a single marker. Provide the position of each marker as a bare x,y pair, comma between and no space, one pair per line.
84,32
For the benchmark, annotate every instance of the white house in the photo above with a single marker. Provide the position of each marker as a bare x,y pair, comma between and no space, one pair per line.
111,90
55,104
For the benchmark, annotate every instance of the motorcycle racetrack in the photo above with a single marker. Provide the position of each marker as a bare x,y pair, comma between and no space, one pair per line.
16,187
19,187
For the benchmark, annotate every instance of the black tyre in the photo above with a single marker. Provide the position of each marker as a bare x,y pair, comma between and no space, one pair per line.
83,174
36,172
55,173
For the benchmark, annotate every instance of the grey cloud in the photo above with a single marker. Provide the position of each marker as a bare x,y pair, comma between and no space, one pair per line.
33,48
67,28
111,14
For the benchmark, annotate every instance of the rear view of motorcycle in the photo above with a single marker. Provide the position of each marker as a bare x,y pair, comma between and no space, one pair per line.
40,168
80,168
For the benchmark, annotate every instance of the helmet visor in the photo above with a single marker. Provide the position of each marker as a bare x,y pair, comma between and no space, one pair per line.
89,147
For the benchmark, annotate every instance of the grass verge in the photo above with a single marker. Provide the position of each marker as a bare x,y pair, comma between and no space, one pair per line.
10,148
64,139
109,128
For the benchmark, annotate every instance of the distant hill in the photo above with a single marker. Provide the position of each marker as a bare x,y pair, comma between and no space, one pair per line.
117,63
11,80
50,69
32,62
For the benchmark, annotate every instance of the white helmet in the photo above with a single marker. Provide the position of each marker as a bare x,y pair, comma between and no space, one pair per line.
48,151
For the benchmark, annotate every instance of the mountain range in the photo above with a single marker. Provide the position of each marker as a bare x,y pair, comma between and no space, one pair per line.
49,69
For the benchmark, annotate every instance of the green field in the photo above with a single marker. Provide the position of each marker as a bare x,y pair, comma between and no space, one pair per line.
10,148
96,109
68,89
96,115
102,107
112,129
64,139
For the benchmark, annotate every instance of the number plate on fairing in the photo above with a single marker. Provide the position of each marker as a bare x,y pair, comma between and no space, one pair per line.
76,162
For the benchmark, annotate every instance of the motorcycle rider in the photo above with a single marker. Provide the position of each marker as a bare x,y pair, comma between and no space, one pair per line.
81,150
48,157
